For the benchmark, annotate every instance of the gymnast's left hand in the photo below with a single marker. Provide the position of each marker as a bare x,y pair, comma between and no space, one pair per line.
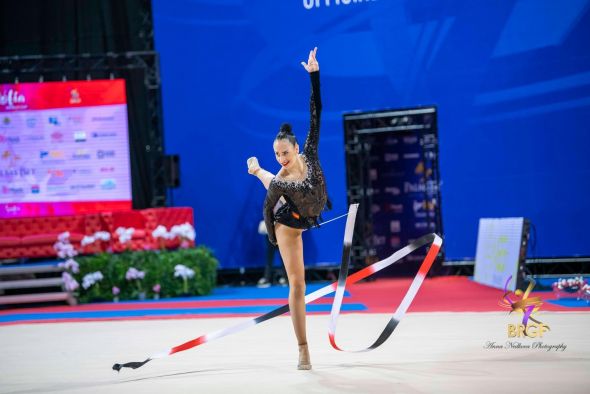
312,63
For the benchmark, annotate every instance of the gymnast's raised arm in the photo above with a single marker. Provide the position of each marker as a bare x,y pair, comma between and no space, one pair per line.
315,105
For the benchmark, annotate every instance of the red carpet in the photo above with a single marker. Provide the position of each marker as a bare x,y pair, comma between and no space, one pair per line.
443,294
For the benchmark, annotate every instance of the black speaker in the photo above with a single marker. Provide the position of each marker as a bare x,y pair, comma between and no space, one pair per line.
172,170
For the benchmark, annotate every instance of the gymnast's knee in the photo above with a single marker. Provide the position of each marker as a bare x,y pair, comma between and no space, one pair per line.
297,287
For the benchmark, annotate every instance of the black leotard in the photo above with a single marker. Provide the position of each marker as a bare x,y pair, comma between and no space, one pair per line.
305,198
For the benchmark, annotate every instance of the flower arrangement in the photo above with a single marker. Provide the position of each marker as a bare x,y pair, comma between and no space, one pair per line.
185,232
65,250
70,284
182,271
133,274
99,236
70,265
158,278
125,234
577,285
63,247
92,279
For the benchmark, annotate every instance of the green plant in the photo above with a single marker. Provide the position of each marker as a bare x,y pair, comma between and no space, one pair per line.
158,267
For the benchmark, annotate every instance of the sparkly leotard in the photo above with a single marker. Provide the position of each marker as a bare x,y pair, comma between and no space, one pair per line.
306,198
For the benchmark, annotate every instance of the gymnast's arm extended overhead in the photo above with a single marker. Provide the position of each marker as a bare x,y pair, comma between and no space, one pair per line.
310,149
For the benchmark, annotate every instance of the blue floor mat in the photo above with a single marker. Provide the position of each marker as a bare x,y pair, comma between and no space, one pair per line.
569,303
250,310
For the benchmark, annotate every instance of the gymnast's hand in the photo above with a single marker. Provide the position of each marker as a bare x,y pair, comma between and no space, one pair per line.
312,63
253,165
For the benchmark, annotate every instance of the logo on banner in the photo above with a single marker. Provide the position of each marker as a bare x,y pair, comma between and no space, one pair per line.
81,154
394,191
79,136
52,154
410,140
9,139
12,190
107,169
9,155
104,154
35,189
422,170
103,134
395,208
53,120
75,96
103,118
12,99
395,226
56,173
391,157
421,187
57,136
34,137
31,122
108,184
75,119
86,186
424,205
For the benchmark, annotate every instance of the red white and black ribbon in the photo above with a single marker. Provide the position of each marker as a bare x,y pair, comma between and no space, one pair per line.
338,287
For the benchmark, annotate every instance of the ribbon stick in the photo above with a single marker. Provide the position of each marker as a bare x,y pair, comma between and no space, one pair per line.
338,287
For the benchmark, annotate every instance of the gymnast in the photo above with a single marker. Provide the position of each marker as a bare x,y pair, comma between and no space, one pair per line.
295,198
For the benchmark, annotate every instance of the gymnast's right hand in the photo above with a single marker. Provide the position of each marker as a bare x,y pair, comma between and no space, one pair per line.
253,165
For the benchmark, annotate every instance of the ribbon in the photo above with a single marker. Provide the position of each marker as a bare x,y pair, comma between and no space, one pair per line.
338,287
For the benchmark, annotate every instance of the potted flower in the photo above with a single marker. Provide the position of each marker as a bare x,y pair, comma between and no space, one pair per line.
156,289
185,232
182,271
116,292
91,280
133,274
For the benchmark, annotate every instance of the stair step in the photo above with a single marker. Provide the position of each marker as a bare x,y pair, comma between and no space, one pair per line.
29,283
29,269
38,297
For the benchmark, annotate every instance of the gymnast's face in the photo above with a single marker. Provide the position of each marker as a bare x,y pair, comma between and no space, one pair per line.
285,152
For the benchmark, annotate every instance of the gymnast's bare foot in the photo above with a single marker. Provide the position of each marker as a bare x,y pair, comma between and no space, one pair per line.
304,361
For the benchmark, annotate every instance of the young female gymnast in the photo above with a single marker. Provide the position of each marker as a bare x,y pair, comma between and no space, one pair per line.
295,198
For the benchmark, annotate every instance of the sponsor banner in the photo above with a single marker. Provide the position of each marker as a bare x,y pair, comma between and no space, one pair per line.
60,208
48,95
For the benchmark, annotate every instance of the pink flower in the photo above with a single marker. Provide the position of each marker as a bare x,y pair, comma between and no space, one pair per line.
116,290
156,288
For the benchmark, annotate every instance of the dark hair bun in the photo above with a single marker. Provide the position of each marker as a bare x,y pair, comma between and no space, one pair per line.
286,129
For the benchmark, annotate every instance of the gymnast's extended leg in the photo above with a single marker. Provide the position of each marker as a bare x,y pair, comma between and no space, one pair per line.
291,248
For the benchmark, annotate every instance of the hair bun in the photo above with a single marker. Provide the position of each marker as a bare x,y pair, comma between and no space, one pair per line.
286,129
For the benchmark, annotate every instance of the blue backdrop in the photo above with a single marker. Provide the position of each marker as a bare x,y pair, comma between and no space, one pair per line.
510,80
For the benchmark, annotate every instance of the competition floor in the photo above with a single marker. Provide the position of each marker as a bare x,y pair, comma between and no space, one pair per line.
440,346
